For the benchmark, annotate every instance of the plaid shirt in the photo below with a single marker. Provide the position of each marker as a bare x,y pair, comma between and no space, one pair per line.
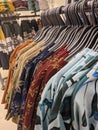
8,42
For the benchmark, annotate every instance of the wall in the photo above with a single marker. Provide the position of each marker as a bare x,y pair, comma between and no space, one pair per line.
56,3
46,4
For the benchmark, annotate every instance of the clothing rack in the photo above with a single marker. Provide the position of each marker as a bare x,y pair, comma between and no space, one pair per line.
26,16
12,16
31,99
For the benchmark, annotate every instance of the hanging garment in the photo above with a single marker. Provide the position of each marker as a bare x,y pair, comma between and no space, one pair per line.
47,74
26,90
49,106
11,42
3,60
27,27
13,63
65,115
34,24
87,110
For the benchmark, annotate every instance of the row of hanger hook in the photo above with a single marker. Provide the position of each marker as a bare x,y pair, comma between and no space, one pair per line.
71,14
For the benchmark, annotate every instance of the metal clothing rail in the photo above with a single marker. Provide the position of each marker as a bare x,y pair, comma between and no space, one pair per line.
13,16
26,16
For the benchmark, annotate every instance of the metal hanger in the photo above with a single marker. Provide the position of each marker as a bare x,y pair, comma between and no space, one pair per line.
54,30
69,33
73,15
60,20
47,23
68,21
81,31
53,16
46,27
94,19
74,35
76,24
62,33
60,40
83,17
80,22
60,24
96,46
93,38
90,43
80,42
43,18
70,14
73,31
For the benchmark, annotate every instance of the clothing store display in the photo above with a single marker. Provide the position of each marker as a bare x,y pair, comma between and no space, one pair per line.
53,75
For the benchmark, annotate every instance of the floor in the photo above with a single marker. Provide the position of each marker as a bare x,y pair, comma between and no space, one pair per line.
4,125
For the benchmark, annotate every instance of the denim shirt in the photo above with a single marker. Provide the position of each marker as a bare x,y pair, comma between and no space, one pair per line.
66,106
43,106
85,104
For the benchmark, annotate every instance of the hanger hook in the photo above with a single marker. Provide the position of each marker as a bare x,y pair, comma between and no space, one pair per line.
94,20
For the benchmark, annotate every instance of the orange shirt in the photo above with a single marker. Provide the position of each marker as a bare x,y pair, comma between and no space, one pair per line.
12,65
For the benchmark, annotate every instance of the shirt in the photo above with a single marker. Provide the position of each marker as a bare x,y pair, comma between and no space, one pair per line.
50,101
51,86
18,71
12,65
85,106
90,76
56,63
63,89
54,81
66,106
24,82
